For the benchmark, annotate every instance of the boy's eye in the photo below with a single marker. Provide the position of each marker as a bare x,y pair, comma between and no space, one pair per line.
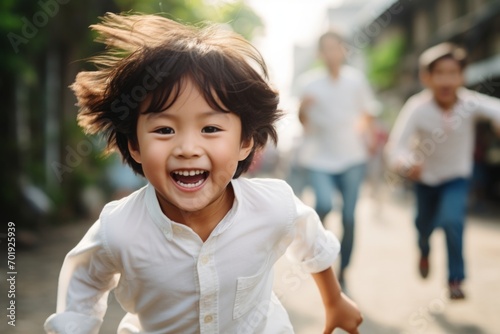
210,129
164,131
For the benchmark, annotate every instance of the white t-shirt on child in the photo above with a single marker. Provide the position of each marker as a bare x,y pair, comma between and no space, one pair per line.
169,281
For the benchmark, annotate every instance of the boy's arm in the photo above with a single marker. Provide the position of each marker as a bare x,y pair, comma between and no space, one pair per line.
370,110
368,127
86,277
489,107
340,311
313,249
305,104
397,150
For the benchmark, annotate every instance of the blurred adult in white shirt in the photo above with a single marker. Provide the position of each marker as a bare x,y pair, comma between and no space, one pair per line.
337,109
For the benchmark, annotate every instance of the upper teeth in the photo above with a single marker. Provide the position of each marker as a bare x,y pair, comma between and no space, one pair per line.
188,172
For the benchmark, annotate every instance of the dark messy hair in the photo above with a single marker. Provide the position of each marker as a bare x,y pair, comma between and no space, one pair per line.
149,56
446,50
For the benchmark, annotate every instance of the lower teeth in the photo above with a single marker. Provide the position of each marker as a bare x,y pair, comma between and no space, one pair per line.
190,185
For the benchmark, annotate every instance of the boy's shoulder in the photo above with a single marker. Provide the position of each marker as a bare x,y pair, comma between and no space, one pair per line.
120,220
351,72
308,79
424,96
263,189
467,95
265,199
420,100
124,207
256,183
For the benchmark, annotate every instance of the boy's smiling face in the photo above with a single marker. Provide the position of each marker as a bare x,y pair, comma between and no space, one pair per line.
444,79
189,153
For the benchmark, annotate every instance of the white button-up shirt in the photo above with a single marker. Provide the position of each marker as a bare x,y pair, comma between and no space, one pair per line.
443,143
170,281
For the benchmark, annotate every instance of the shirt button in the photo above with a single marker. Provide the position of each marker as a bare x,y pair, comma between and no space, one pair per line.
204,259
208,318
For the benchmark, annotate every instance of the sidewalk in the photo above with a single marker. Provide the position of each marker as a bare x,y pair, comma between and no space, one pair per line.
383,279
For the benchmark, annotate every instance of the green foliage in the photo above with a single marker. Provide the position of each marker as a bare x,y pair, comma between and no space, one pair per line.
236,13
383,61
239,16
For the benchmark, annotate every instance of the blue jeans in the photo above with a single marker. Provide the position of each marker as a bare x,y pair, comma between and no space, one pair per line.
348,184
443,206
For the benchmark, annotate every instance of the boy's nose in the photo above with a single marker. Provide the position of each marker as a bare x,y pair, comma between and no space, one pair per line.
187,147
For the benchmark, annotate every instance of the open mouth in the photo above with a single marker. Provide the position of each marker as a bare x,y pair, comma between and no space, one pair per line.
446,91
189,178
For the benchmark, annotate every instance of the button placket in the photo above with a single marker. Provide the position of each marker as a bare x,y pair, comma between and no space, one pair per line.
208,282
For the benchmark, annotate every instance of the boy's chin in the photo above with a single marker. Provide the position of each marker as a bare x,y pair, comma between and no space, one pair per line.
191,205
446,99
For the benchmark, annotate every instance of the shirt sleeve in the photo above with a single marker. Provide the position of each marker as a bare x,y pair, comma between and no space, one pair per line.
87,276
368,102
313,248
487,107
398,148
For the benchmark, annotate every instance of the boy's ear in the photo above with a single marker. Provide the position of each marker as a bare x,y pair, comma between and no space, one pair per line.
245,149
135,153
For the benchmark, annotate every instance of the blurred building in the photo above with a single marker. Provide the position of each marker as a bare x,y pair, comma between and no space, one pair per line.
475,24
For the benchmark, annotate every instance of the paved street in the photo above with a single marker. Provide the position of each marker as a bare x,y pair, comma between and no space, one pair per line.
382,279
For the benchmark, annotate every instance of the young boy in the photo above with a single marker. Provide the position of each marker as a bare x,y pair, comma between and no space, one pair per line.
193,251
432,144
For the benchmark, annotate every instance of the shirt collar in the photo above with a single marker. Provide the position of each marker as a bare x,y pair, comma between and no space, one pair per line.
230,216
165,224
462,96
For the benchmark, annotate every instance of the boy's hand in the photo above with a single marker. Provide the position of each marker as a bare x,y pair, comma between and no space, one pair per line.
340,310
343,314
412,172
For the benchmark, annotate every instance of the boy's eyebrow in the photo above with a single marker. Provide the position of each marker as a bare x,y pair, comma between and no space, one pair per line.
166,114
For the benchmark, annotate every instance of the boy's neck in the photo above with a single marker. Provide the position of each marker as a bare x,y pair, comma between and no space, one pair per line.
334,72
446,106
204,221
